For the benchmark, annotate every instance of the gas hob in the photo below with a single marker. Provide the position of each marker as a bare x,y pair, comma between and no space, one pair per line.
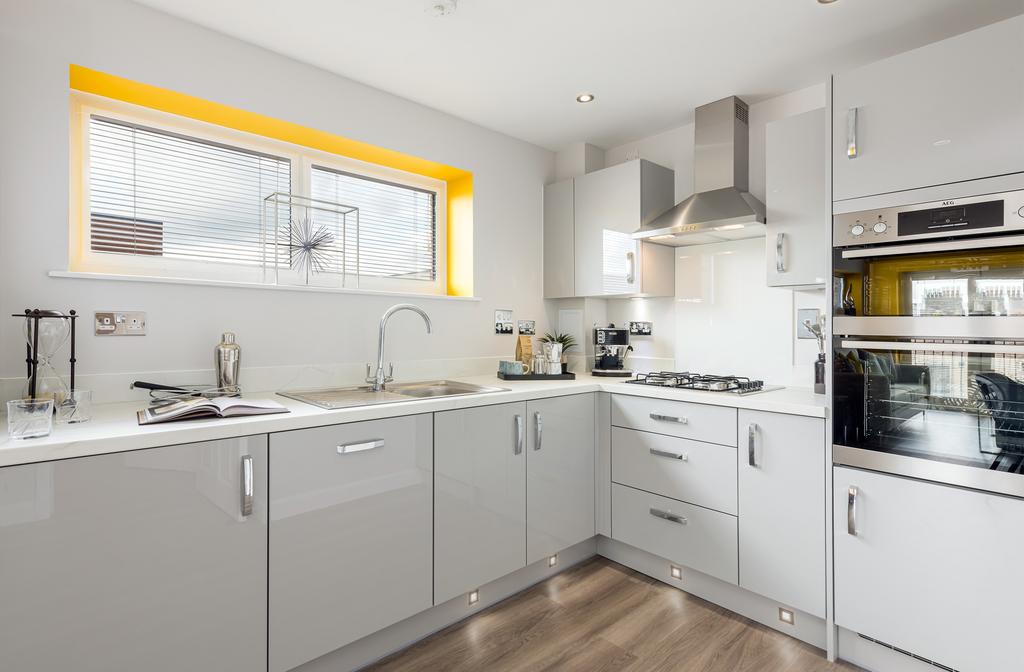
687,380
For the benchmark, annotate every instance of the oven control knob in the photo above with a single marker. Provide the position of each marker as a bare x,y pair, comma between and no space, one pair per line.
879,227
857,229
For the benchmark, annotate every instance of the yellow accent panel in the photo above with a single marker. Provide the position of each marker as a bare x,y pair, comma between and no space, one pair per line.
460,236
459,182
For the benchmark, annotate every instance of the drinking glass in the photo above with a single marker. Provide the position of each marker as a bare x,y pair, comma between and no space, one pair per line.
29,418
75,407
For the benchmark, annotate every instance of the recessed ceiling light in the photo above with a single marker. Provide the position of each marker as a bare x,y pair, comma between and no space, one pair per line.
441,8
825,2
585,98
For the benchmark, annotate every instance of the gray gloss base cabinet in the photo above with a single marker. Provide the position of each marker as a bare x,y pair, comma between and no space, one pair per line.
350,533
135,561
946,112
782,503
559,474
932,569
502,498
798,214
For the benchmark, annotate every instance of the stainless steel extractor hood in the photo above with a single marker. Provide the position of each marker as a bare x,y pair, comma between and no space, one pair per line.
721,207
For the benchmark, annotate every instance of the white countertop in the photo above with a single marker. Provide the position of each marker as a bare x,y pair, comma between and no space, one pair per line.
114,427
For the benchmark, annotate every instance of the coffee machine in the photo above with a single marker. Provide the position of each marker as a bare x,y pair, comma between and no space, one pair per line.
610,347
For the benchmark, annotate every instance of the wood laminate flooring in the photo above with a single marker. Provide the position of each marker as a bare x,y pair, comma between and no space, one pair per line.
603,617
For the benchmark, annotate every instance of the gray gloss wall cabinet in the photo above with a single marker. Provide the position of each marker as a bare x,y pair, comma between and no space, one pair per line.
350,533
479,496
782,502
943,113
141,560
559,474
925,567
588,226
797,200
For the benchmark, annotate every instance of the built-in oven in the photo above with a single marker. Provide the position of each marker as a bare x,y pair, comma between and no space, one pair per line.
928,341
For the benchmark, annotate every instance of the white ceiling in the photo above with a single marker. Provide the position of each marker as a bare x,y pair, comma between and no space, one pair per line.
517,66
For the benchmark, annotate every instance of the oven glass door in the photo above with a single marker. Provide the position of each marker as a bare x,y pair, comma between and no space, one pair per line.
882,282
958,403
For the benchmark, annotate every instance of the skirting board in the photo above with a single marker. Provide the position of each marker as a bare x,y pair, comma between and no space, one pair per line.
400,635
806,627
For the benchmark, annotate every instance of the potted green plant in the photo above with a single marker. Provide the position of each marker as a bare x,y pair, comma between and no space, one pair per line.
567,341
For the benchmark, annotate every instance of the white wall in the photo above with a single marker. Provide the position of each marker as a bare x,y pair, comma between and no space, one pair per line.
724,318
275,328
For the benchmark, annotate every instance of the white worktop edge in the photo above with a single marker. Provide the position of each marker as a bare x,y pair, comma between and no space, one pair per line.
114,427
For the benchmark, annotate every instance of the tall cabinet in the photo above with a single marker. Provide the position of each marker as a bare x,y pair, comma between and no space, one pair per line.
589,220
798,219
147,560
943,113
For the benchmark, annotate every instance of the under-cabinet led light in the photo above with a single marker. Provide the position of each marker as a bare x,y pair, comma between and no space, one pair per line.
553,560
786,616
666,237
676,572
729,227
474,597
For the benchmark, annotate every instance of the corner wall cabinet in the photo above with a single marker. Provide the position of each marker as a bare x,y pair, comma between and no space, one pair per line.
588,225
147,560
943,113
798,220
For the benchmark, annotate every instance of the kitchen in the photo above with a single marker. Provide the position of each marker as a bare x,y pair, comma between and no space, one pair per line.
691,354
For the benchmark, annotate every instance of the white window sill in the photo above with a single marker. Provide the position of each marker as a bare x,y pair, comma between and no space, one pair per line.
252,285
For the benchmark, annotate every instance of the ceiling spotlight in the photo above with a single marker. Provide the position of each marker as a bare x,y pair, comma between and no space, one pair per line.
825,2
440,8
585,98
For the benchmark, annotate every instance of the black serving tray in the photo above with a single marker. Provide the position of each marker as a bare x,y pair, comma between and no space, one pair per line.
537,376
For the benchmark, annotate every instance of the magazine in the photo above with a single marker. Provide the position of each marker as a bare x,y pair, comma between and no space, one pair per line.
218,407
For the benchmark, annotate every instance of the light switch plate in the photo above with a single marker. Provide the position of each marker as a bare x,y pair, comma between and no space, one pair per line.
802,314
120,323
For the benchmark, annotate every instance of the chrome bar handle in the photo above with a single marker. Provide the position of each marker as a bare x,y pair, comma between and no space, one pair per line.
780,258
540,430
518,447
670,418
682,457
851,510
852,150
247,485
670,517
359,446
751,444
631,274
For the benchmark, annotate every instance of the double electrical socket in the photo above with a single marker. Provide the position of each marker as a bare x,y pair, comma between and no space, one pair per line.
123,323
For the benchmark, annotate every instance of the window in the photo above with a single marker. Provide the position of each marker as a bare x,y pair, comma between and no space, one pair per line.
397,235
166,196
159,194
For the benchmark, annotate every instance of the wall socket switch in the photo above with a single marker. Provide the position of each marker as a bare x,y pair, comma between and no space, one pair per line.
120,323
641,328
802,314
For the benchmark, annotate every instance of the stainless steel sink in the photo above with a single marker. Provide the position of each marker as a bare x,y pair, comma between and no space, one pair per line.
363,395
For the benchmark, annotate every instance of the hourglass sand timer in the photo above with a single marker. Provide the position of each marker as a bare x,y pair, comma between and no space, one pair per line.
46,331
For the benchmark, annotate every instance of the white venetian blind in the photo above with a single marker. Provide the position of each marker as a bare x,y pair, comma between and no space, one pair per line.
159,194
397,225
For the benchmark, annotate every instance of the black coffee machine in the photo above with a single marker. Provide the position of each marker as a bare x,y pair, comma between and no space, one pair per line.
610,347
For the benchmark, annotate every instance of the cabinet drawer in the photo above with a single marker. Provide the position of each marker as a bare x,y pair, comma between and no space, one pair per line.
350,533
699,538
693,471
714,424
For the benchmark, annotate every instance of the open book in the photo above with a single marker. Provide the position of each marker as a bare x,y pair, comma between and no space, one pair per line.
219,407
